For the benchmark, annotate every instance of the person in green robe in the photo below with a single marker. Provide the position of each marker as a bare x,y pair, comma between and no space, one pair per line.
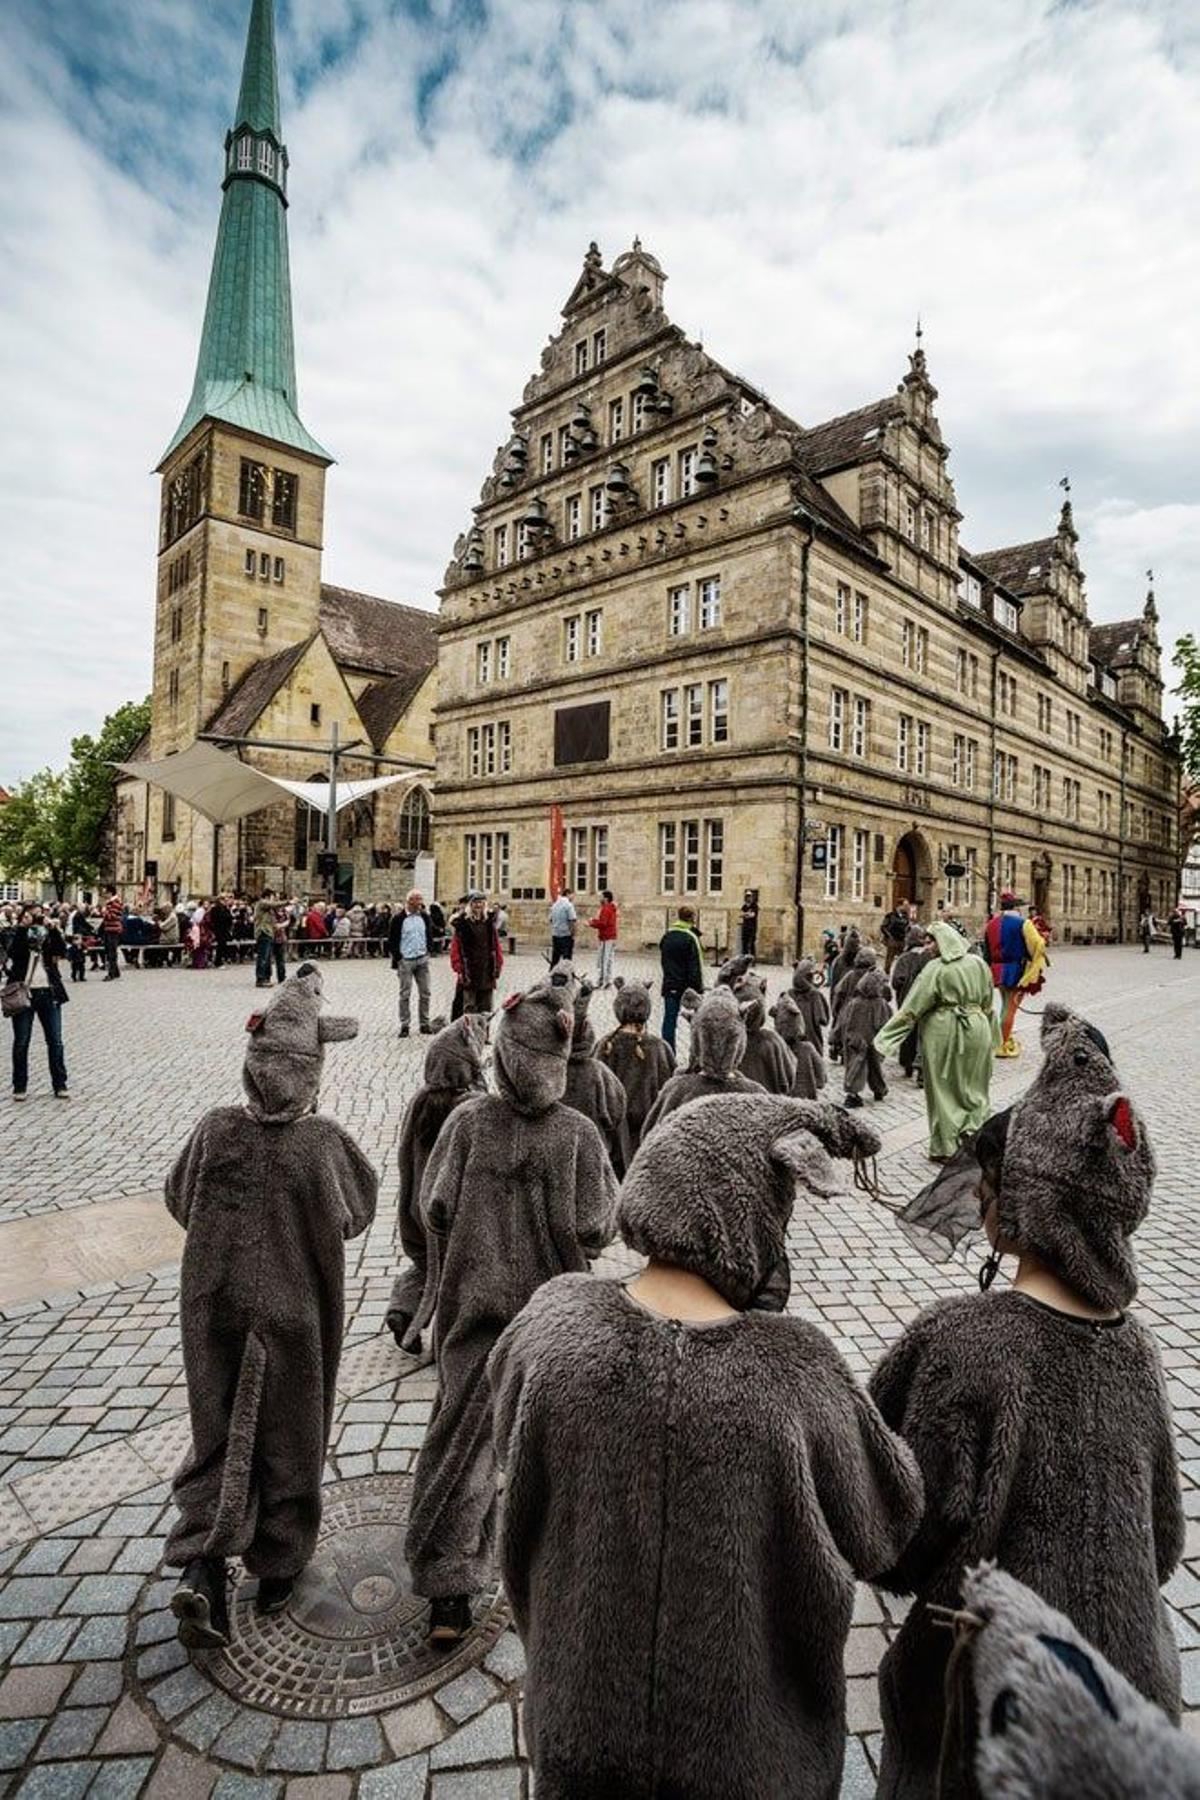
951,1003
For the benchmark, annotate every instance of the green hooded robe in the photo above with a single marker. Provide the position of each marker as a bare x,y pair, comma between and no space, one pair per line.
951,1003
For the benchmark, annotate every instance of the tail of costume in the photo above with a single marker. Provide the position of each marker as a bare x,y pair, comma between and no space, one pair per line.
234,1501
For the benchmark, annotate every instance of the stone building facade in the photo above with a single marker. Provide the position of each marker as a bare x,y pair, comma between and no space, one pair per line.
725,651
250,644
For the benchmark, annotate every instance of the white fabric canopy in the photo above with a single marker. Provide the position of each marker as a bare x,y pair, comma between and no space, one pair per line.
222,788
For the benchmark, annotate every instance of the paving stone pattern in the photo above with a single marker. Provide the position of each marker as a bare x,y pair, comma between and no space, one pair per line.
96,1696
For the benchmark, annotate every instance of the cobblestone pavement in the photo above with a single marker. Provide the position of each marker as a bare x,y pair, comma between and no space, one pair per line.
96,1697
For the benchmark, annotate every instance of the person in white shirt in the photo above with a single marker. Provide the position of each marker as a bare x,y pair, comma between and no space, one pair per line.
410,941
562,928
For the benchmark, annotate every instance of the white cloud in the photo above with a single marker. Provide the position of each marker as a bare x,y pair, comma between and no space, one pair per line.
1024,174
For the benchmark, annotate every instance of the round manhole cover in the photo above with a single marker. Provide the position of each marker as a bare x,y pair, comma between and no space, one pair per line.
352,1638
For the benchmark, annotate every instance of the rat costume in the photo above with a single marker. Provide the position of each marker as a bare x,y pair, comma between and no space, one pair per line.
267,1194
642,1062
844,961
593,1089
865,1013
950,1003
865,960
790,1023
718,1045
1044,1438
688,1504
453,1072
905,969
1054,1718
518,1189
812,1001
766,1058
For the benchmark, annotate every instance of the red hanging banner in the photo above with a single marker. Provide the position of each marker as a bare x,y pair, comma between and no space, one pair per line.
558,855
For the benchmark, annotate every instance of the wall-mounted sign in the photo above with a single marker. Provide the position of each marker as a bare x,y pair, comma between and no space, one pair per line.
814,830
820,856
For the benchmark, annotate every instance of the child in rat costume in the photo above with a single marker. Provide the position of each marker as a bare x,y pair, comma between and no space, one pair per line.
791,1024
267,1194
453,1072
1038,1415
866,1012
1054,1718
864,961
766,1058
845,959
518,1189
907,966
693,1484
593,1089
718,1045
812,1001
641,1061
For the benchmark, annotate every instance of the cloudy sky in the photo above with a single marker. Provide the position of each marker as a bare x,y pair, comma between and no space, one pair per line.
1025,174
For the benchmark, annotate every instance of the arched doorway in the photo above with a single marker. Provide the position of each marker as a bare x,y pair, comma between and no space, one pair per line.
1041,870
904,871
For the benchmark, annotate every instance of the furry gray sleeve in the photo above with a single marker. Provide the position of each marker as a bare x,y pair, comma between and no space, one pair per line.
355,1182
442,1181
867,1480
180,1186
596,1192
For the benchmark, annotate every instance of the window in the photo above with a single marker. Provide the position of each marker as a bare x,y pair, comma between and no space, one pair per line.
284,491
687,472
500,546
1041,787
972,754
571,639
474,759
833,860
547,452
483,661
581,733
660,481
599,858
714,855
264,620
524,541
958,759
960,670
693,712
579,859
679,611
1071,792
413,828
837,718
574,513
669,714
708,603
264,567
1007,614
486,860
841,608
718,712
969,587
245,153
1004,776
910,519
1006,694
904,735
1045,712
176,624
860,738
279,570
503,659
184,499
922,758
858,888
637,413
599,345
581,357
914,646
168,816
1104,809
314,714
266,159
504,746
616,421
224,677
173,689
668,838
596,508
691,856
926,530
251,565
252,489
593,631
1073,729
860,619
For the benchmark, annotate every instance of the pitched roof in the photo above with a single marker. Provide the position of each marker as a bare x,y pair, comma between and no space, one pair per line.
1115,644
243,705
1021,568
379,636
383,704
850,438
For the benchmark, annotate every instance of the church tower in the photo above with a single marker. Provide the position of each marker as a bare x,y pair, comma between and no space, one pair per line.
243,481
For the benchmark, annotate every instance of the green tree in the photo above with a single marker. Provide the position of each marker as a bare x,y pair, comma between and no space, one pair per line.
1187,662
54,824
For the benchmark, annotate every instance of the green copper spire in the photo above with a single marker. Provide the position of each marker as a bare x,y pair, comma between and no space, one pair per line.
246,370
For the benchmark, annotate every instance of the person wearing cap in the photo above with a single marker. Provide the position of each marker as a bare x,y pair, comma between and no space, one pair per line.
475,956
950,1005
267,1193
518,1189
694,1483
1038,1414
1016,951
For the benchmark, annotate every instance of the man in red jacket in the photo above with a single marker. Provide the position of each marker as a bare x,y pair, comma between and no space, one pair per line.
605,927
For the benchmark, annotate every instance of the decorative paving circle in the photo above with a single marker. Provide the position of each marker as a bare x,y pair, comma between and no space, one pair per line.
352,1639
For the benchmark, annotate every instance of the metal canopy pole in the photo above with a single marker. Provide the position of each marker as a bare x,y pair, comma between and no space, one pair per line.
331,815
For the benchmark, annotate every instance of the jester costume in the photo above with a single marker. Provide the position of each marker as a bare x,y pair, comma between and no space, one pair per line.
1017,953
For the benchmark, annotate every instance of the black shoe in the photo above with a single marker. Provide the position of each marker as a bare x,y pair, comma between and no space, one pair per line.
200,1606
427,1031
852,1100
882,1096
274,1592
404,1031
450,1619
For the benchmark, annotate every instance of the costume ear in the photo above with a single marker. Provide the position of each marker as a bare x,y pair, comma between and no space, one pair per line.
649,986
564,1023
1077,1660
1122,1119
807,1162
746,1006
618,982
689,1000
336,1028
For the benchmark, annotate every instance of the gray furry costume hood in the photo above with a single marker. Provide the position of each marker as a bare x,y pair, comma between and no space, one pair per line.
1054,1719
812,1001
843,962
733,969
766,1058
718,1046
641,1061
1045,1438
733,1472
519,1188
864,962
867,1008
453,1071
791,1024
592,1088
910,962
267,1194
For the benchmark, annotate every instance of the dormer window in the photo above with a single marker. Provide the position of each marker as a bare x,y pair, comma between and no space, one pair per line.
266,159
245,153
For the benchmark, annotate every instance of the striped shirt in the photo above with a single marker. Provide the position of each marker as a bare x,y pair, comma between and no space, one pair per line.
113,917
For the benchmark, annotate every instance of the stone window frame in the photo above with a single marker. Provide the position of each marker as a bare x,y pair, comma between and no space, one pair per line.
669,734
597,508
599,345
581,356
835,839
679,609
923,749
616,419
572,638
692,714
860,728
660,482
668,856
838,708
709,604
547,453
593,631
904,742
483,662
861,844
500,550
859,616
685,464
573,518
719,723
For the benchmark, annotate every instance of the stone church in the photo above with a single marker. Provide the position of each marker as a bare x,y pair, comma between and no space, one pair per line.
705,648
250,644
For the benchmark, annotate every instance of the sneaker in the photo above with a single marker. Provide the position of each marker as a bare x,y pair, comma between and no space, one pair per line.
200,1605
852,1100
274,1592
450,1619
20,1096
61,1094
